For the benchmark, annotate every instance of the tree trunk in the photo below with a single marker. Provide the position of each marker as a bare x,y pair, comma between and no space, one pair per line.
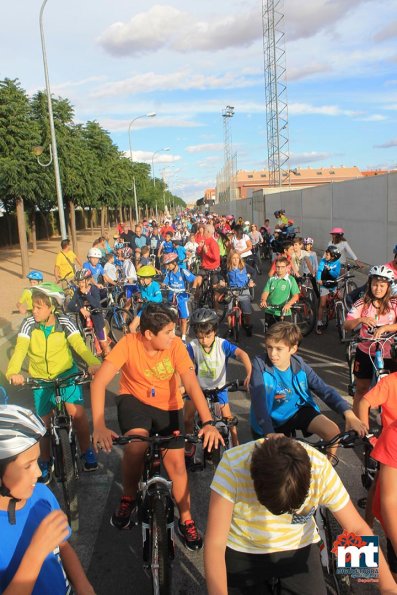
72,224
46,228
9,229
22,236
92,220
33,234
103,220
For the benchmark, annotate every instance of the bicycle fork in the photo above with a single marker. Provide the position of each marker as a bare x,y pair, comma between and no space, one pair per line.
160,492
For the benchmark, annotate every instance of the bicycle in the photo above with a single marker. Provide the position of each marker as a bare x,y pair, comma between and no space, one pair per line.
207,295
222,424
254,259
377,361
86,328
302,314
235,313
155,509
64,447
345,284
335,309
119,321
328,527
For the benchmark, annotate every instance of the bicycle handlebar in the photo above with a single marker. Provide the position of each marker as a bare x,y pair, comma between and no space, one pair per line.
381,339
344,440
233,384
77,378
155,439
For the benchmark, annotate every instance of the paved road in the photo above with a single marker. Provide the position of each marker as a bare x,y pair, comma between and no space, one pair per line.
113,558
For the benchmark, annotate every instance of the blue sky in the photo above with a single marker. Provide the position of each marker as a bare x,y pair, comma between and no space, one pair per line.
116,60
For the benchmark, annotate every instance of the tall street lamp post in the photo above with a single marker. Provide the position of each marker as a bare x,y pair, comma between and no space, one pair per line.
149,115
61,212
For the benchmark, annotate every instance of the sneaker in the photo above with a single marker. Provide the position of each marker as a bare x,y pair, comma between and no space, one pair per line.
45,468
89,460
319,329
121,518
190,535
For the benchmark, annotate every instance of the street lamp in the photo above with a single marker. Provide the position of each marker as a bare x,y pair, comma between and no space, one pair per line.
62,223
155,153
149,115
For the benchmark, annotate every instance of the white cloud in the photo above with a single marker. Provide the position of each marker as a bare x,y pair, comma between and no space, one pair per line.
301,109
388,144
180,80
388,32
164,26
114,125
309,157
205,148
146,157
373,118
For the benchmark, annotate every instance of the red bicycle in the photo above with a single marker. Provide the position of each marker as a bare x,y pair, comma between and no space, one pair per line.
235,313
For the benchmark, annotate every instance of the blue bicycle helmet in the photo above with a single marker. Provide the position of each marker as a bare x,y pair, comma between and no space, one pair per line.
35,276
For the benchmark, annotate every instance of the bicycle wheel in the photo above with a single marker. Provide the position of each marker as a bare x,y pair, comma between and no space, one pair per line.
159,548
304,316
119,323
67,476
349,287
340,319
235,320
332,531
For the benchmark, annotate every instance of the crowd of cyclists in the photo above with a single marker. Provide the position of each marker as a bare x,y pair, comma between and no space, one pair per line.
264,493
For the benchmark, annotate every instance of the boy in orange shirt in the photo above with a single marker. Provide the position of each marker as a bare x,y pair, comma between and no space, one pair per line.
152,364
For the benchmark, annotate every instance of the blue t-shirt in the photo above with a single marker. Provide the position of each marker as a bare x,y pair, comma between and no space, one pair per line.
168,247
285,397
238,277
140,242
152,292
16,539
178,279
180,250
95,271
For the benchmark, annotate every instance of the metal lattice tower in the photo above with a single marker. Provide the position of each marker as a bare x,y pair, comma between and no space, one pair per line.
275,92
228,170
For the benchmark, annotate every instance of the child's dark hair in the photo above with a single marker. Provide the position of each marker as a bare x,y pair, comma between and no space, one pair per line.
204,328
281,470
155,317
65,244
287,245
297,240
287,332
109,256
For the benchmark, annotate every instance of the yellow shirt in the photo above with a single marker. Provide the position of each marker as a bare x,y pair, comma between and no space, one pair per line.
65,268
26,298
253,528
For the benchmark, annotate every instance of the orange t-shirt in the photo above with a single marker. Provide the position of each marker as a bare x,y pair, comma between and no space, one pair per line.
151,379
384,394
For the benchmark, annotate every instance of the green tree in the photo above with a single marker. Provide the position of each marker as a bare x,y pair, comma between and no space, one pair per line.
19,176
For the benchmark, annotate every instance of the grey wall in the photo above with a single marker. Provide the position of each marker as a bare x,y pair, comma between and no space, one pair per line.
366,208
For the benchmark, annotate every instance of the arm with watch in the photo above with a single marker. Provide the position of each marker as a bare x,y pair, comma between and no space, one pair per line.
210,435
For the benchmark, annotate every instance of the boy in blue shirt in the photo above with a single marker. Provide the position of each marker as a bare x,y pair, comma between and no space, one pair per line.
210,355
281,391
180,250
177,278
150,292
166,247
327,273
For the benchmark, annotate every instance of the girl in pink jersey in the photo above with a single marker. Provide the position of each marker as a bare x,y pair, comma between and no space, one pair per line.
374,314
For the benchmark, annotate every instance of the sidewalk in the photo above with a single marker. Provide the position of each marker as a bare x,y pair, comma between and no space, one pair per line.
12,285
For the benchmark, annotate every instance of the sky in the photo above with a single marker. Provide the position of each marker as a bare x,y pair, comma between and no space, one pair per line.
117,60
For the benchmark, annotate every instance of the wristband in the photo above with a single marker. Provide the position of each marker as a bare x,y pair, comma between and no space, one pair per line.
210,422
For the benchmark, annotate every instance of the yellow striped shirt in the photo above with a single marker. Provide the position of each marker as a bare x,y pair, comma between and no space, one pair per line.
253,528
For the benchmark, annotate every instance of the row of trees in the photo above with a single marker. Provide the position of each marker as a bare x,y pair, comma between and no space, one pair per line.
94,173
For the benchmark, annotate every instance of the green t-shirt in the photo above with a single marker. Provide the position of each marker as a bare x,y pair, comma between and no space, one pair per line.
280,291
46,329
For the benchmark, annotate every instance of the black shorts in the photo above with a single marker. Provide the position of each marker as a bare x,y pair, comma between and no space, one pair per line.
299,572
216,274
391,557
300,421
133,414
364,368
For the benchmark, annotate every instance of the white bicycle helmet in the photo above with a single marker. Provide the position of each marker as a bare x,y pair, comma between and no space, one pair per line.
383,272
51,290
20,429
94,253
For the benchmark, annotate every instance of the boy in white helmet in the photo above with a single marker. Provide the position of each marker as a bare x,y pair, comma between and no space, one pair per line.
37,558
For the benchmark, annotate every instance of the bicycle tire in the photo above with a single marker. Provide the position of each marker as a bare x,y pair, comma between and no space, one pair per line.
90,342
304,316
332,530
119,323
235,324
67,469
340,319
160,566
350,286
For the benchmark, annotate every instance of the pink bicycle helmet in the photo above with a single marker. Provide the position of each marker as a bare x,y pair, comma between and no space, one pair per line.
171,257
337,231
